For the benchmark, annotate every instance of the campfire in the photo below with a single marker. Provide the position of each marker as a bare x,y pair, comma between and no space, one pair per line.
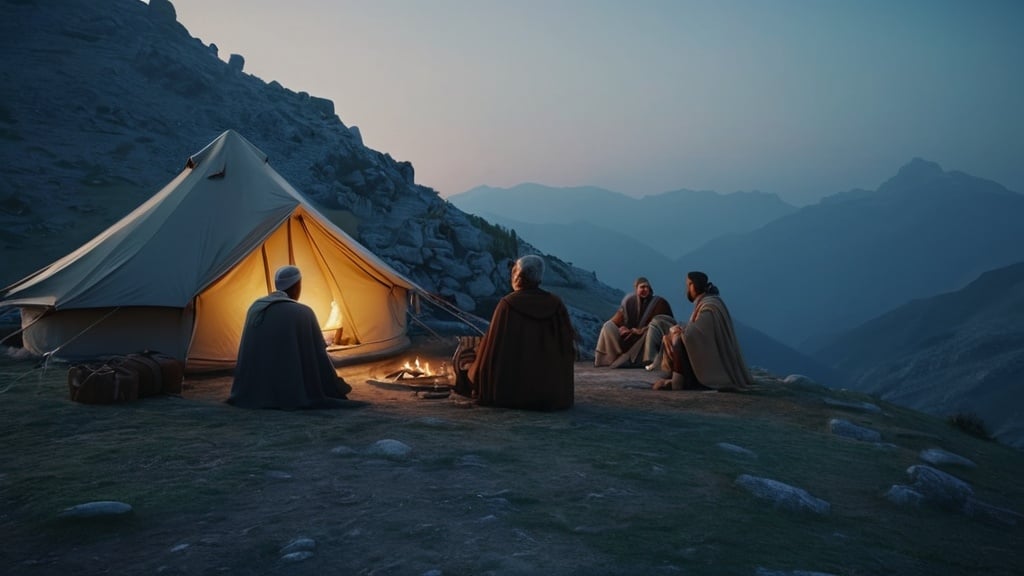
420,375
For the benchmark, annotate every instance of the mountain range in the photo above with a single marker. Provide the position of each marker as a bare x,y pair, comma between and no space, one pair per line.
961,352
841,290
672,223
829,267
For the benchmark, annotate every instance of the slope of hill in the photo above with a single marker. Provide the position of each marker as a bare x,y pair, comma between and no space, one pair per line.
829,267
671,223
103,102
959,352
764,352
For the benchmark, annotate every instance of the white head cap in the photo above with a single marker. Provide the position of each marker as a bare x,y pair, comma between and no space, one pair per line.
286,277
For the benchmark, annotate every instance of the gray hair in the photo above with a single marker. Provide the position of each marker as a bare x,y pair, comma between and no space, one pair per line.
531,268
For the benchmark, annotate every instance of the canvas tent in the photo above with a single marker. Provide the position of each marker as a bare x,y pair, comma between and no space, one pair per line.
177,274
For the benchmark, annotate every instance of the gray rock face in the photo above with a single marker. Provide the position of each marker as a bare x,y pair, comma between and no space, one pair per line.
480,286
162,10
848,429
782,495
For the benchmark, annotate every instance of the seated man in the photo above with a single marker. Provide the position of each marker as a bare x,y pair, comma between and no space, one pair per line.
282,357
704,353
526,358
633,336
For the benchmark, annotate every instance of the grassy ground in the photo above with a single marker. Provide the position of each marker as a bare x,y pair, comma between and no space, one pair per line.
630,481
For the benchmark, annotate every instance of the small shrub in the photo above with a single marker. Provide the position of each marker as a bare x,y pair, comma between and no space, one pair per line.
970,423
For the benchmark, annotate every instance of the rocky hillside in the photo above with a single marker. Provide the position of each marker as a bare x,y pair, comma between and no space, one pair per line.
957,353
104,101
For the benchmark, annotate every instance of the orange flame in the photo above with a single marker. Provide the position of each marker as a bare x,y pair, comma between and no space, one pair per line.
418,370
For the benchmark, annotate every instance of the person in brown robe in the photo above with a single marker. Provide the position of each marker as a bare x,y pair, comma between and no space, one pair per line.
525,360
282,357
704,353
633,336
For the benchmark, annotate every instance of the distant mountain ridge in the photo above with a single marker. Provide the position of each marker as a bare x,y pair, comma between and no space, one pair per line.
671,223
831,266
959,352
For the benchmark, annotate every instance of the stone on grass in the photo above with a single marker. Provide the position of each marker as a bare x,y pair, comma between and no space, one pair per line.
938,457
798,379
390,448
848,429
98,509
904,496
783,495
737,450
298,545
938,487
297,556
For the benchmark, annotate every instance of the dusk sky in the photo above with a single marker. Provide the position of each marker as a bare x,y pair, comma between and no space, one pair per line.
802,98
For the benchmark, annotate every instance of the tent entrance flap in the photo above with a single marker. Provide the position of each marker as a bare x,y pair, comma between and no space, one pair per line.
368,311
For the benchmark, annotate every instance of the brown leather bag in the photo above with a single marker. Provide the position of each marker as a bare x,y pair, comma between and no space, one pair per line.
102,384
158,373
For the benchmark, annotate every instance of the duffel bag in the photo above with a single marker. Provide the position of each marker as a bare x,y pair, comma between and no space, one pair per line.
172,371
147,370
102,384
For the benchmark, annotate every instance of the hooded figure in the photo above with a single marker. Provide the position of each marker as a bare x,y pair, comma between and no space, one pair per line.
526,358
282,356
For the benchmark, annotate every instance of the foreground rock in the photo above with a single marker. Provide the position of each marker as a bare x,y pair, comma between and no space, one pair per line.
848,429
782,495
938,457
98,509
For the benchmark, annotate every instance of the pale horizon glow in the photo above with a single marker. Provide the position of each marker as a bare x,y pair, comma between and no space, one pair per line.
802,98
